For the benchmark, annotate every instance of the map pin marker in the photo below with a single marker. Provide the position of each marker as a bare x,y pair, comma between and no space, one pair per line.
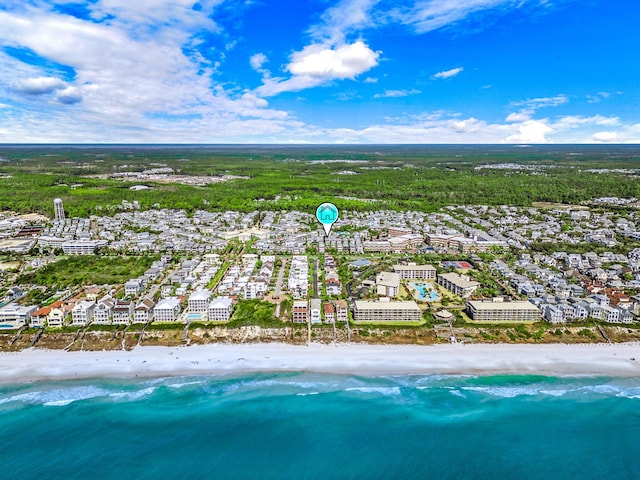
327,214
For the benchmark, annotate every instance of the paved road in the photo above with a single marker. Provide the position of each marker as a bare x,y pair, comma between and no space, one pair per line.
315,278
279,280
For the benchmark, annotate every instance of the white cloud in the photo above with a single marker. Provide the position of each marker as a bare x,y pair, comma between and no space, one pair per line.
370,80
530,131
257,61
575,121
533,104
449,73
396,93
39,85
429,15
517,117
605,137
598,97
343,18
318,64
69,96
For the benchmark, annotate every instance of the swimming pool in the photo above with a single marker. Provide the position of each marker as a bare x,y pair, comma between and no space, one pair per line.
426,293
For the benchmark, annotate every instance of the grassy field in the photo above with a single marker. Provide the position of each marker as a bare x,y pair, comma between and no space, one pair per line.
88,270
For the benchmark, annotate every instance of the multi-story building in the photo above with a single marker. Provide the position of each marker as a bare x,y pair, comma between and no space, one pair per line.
13,315
300,311
342,311
167,310
387,284
315,306
413,271
458,284
329,313
143,312
501,311
104,310
199,301
220,309
368,311
122,312
82,313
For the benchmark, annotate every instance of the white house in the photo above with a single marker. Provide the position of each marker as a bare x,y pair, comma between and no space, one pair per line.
82,313
167,310
220,309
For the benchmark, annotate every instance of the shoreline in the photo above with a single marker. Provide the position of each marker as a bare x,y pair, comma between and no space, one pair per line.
35,365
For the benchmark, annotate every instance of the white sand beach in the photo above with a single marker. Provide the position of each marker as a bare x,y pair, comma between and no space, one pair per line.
557,359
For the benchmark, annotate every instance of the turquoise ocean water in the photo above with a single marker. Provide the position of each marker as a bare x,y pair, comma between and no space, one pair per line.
307,426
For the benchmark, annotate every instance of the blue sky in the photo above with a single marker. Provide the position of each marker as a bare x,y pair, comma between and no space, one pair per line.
319,71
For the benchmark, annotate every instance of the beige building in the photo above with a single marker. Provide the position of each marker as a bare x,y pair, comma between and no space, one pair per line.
413,271
497,310
367,311
460,285
387,284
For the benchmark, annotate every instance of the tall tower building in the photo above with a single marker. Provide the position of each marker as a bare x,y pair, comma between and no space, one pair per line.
58,208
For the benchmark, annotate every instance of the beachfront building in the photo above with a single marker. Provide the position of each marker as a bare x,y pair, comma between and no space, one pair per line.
369,311
300,311
413,271
13,315
387,284
497,310
342,311
167,310
460,285
82,313
122,312
104,310
143,312
199,301
315,306
329,313
220,309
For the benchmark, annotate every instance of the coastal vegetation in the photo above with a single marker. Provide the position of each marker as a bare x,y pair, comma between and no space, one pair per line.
296,178
88,269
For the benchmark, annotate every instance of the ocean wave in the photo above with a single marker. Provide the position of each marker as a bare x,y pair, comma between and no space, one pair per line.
56,397
379,390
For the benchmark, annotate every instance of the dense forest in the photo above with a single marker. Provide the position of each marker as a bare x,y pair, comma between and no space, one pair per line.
361,178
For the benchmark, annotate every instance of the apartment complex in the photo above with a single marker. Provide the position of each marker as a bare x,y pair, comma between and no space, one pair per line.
458,284
500,311
368,311
413,271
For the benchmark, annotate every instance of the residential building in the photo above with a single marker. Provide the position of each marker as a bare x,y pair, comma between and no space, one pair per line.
133,287
329,313
13,315
199,301
500,311
300,311
342,311
122,312
82,313
413,271
315,306
220,309
458,284
387,284
143,312
167,310
369,311
104,311
82,247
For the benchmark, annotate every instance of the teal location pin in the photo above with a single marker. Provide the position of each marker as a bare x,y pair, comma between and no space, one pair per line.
327,214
